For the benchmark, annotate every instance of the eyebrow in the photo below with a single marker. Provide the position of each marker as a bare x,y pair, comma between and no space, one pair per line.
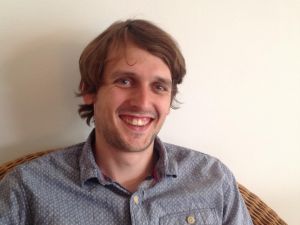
122,73
164,81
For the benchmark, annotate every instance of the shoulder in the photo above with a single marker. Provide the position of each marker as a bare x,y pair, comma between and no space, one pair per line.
180,153
197,162
61,161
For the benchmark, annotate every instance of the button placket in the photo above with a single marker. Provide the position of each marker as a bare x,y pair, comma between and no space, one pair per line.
136,199
191,219
136,208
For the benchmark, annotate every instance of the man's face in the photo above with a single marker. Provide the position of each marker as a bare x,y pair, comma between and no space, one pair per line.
133,100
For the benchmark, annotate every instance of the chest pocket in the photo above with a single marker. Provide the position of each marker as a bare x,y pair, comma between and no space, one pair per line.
193,217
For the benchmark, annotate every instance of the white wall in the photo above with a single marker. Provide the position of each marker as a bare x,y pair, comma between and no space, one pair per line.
241,94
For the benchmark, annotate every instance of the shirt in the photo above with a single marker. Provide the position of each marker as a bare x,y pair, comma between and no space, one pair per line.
67,187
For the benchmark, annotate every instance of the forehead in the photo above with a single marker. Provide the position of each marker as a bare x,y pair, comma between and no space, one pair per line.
130,56
123,50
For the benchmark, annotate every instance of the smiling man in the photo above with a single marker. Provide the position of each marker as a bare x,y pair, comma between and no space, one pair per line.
123,173
129,110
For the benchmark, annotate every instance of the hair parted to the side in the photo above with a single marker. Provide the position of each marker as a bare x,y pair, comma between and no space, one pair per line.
142,33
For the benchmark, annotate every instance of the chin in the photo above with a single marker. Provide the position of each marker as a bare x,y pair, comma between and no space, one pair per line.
137,146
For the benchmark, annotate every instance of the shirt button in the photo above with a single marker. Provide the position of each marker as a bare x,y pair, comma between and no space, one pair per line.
136,199
190,220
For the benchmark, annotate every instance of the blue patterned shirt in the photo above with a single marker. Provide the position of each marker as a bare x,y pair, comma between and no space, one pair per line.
67,187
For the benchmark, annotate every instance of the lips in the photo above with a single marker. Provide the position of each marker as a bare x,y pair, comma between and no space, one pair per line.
136,121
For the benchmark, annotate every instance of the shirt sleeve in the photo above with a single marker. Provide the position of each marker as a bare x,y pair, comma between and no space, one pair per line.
235,211
13,204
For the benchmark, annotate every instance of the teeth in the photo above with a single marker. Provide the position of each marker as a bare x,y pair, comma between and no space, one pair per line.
137,121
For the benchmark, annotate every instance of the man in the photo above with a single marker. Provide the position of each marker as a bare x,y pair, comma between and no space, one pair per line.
123,173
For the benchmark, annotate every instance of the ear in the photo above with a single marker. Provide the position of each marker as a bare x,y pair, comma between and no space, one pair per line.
89,99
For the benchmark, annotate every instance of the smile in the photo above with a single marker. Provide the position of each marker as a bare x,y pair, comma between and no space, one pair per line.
136,121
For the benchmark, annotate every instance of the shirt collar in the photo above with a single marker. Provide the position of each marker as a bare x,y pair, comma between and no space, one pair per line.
165,165
89,169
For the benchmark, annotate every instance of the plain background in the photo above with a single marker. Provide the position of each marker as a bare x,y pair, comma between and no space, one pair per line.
241,95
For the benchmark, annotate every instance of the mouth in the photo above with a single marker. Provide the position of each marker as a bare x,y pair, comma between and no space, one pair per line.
136,121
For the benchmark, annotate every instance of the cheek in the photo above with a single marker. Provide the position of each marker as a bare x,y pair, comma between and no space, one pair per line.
167,111
164,107
111,99
116,99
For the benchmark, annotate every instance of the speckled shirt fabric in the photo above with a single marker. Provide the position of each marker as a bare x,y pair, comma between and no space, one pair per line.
66,187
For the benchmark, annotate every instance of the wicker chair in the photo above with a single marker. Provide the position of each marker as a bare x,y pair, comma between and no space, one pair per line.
260,213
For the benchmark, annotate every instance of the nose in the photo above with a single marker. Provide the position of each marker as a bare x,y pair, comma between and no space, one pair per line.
141,97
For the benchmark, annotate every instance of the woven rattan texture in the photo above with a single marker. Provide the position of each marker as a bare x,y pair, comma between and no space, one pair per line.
260,213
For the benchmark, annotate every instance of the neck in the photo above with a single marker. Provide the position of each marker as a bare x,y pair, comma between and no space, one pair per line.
129,169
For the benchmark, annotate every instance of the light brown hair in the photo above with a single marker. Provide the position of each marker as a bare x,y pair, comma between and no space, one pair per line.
142,33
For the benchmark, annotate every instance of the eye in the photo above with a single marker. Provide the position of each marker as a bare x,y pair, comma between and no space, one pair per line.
159,87
123,82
